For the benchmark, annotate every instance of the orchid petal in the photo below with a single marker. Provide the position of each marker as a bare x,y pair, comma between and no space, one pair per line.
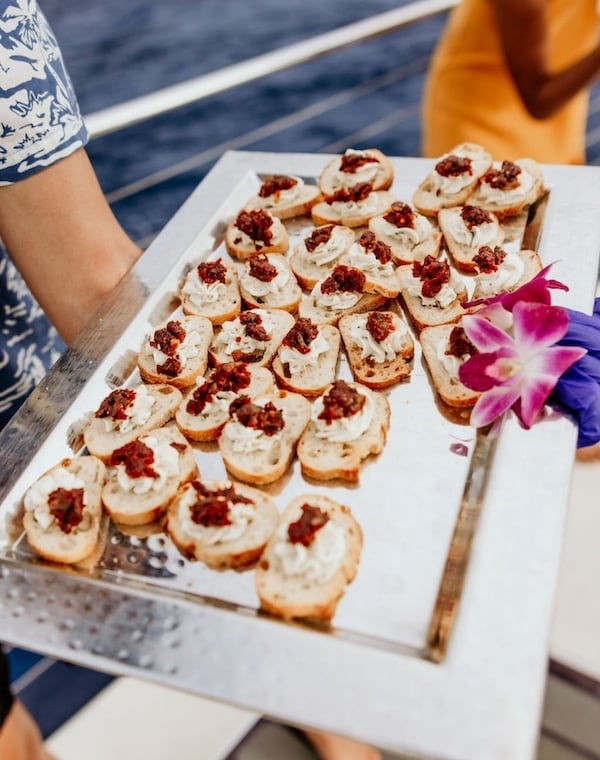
493,403
483,371
485,335
537,326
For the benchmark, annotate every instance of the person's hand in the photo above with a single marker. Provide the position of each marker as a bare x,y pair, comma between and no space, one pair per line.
578,390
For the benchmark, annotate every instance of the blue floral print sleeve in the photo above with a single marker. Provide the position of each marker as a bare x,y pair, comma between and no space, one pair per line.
40,123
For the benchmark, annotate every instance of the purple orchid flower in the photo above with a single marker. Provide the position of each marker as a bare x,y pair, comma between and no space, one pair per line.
536,290
517,372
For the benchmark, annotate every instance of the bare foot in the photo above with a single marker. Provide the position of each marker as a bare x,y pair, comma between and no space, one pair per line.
332,747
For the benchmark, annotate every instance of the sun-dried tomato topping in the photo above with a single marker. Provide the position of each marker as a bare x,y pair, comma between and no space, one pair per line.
253,325
400,214
117,402
459,344
275,184
260,267
301,335
137,457
504,178
350,162
168,338
473,216
267,418
489,260
66,506
343,279
257,225
342,400
171,367
318,237
212,271
379,249
231,376
211,508
453,166
351,194
433,273
304,529
380,325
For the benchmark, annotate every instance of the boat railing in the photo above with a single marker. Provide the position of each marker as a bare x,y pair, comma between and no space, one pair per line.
167,99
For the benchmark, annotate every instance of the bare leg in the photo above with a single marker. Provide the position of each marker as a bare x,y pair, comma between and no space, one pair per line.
20,738
332,747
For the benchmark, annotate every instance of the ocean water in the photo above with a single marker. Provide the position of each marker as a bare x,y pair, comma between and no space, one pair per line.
115,51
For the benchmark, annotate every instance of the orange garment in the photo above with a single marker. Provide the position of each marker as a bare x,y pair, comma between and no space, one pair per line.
470,96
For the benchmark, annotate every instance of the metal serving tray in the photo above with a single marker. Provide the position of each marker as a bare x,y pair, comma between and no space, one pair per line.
398,668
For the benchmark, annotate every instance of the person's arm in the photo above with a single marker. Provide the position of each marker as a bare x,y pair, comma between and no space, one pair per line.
65,240
523,27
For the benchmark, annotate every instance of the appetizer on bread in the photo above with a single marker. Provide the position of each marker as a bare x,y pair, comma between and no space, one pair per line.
410,235
466,229
259,441
222,524
445,348
268,282
285,196
317,254
375,260
352,207
508,188
63,510
252,337
342,292
379,347
349,422
127,413
306,360
453,179
204,409
355,167
255,231
143,476
310,559
176,352
212,290
499,271
432,292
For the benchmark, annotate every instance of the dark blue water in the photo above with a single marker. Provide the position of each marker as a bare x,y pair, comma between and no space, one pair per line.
116,51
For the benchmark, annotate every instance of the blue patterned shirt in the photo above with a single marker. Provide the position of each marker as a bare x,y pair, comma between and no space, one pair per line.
40,123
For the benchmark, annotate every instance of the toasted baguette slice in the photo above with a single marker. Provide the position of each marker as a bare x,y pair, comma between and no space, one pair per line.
437,191
317,254
241,449
423,315
511,201
280,292
131,508
237,545
355,167
285,196
321,315
324,459
377,364
351,213
147,407
409,235
191,352
232,342
211,289
376,262
200,422
43,530
310,373
516,269
443,368
466,229
255,231
297,594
